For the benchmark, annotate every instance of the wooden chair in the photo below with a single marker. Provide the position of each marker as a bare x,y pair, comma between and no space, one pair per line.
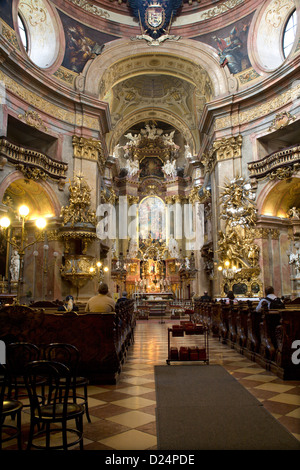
9,408
19,354
69,355
55,408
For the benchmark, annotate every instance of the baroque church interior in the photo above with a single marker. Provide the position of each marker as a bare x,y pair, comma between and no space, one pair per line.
153,146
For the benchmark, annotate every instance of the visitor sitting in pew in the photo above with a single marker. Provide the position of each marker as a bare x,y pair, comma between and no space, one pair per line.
124,297
102,302
230,298
205,297
69,305
270,300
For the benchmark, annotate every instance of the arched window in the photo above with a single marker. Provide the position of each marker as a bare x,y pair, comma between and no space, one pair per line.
23,32
289,34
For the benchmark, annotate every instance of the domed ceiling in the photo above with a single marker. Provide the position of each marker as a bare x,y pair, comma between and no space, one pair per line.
166,85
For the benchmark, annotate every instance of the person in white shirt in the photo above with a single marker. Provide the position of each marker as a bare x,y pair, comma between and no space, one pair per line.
269,291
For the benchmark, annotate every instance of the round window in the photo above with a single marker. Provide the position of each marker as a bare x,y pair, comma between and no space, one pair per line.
289,34
272,35
38,27
23,32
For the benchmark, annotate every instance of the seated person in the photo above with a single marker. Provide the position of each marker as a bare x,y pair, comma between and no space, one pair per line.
124,297
230,298
205,297
270,300
69,305
102,302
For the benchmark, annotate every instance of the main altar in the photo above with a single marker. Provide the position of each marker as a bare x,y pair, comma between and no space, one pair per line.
151,186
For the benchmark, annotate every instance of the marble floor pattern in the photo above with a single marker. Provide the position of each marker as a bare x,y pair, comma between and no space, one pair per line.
123,415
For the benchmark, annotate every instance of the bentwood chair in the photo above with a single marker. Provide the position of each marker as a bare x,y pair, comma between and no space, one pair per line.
53,415
19,354
69,355
9,408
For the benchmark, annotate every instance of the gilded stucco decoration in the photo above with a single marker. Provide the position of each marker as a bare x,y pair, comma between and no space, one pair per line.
261,110
281,120
238,253
276,13
173,94
109,196
91,8
78,224
38,102
34,10
222,149
89,149
32,118
212,12
78,210
158,87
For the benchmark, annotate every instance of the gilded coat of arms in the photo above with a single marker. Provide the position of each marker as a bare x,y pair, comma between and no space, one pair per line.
154,16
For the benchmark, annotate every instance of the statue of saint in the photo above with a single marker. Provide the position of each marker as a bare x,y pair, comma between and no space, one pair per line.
14,266
133,248
173,247
169,168
187,152
132,166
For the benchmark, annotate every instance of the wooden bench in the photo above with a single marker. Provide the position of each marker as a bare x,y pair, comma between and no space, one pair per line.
265,337
102,339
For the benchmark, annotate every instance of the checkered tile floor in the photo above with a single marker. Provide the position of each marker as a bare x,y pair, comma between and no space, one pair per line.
123,415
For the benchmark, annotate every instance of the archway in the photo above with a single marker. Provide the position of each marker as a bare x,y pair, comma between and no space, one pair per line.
38,198
169,84
279,197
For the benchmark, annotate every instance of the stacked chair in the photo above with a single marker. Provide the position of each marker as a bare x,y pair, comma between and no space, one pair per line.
55,407
69,355
46,381
9,409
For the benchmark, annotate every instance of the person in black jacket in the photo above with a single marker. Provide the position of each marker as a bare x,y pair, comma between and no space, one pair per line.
121,299
205,297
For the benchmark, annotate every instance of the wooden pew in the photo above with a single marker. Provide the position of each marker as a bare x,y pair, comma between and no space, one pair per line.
269,321
265,337
102,339
232,323
287,332
241,325
224,321
253,332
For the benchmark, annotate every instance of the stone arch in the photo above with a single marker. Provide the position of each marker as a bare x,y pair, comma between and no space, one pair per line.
277,197
188,61
123,52
156,115
39,196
